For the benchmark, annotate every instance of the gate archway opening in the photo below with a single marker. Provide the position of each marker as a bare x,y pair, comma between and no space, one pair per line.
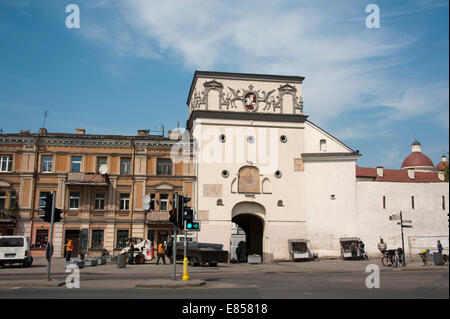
253,227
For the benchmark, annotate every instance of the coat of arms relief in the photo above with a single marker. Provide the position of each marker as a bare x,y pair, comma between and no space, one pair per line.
252,100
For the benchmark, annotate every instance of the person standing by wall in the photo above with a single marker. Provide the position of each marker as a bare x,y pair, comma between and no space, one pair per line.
382,246
353,249
69,249
439,247
131,258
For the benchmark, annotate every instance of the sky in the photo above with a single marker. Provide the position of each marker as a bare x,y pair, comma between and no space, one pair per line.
130,64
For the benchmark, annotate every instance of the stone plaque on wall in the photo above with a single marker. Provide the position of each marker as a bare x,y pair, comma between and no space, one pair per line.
298,165
203,215
212,190
249,180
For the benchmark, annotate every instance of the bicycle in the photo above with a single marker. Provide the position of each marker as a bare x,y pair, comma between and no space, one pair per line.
390,258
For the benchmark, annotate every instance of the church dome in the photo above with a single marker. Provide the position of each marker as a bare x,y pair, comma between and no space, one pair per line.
443,164
417,159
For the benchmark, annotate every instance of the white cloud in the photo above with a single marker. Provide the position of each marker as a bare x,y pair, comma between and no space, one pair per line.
326,42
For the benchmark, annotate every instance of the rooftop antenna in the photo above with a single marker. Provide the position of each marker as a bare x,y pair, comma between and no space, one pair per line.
45,116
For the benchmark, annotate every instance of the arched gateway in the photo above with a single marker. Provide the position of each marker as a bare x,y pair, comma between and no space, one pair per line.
250,216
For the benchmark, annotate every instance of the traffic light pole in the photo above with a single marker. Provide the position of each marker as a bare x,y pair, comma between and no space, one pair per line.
174,248
49,249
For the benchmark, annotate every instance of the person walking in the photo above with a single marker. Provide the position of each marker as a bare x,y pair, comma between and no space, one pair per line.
439,247
131,258
361,249
161,253
69,249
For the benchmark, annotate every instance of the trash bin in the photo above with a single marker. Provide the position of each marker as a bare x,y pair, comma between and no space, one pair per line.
438,260
121,261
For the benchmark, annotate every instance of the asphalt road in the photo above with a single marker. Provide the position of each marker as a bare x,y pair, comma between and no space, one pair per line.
265,285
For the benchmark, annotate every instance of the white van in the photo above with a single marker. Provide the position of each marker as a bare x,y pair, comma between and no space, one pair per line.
15,249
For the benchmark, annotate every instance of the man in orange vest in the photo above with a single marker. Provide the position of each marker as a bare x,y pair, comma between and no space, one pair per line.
161,253
69,249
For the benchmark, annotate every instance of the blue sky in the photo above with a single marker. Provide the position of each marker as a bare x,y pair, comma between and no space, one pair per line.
130,64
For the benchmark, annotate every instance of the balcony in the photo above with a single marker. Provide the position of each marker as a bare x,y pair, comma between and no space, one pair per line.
8,216
157,216
81,179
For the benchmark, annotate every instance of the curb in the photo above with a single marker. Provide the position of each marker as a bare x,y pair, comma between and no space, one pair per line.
41,284
170,284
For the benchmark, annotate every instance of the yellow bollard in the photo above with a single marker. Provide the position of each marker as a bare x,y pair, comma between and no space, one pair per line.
185,269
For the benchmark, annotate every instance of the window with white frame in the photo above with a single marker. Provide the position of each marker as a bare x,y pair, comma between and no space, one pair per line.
74,200
163,201
99,203
2,201
100,161
122,236
125,165
152,201
97,239
42,199
124,201
164,166
13,200
5,163
47,162
76,164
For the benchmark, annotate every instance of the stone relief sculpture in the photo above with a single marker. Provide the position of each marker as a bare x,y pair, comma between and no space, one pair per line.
250,98
297,101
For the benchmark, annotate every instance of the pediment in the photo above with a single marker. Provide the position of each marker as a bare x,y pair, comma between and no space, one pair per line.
287,88
163,186
4,183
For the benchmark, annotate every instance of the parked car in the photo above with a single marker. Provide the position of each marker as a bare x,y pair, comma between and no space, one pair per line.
14,250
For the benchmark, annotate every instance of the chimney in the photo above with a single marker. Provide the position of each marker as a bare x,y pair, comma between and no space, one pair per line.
411,173
380,171
42,130
142,132
80,131
441,176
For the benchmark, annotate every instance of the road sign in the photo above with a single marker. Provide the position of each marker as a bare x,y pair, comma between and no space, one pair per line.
407,221
394,217
407,226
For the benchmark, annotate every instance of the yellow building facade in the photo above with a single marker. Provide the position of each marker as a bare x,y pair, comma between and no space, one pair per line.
99,181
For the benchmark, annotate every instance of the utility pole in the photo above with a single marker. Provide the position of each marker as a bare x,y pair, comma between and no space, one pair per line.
174,242
402,225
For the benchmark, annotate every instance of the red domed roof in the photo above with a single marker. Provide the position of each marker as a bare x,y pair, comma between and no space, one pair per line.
441,166
417,159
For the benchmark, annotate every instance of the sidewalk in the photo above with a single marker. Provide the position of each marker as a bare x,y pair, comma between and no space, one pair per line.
35,276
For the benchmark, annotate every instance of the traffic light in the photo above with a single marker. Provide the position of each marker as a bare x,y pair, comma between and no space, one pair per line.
47,215
173,216
185,213
193,226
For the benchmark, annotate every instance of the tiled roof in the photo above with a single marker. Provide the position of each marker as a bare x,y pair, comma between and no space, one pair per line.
392,175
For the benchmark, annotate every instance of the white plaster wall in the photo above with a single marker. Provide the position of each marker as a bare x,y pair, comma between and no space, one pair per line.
281,223
314,134
428,218
328,220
